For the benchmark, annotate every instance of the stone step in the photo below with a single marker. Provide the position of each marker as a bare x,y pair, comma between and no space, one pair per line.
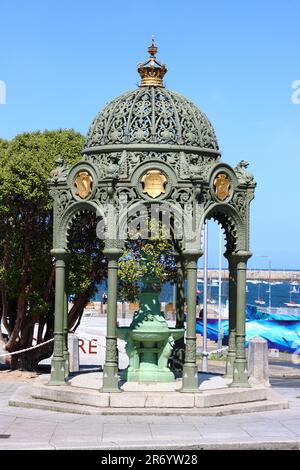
22,398
86,392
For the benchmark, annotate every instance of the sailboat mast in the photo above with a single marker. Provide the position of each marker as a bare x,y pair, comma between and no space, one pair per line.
205,276
270,298
220,295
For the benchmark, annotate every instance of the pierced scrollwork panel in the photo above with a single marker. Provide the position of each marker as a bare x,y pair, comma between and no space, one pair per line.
205,198
63,201
166,125
102,195
124,197
140,126
199,165
206,131
182,195
240,202
104,126
186,118
151,115
134,159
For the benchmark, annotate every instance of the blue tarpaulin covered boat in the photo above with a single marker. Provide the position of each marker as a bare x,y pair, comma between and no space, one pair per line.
281,331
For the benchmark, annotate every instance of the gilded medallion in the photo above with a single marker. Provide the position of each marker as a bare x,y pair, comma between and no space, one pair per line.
83,184
154,183
222,186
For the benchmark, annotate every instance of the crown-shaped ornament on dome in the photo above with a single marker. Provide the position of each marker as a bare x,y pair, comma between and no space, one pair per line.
152,72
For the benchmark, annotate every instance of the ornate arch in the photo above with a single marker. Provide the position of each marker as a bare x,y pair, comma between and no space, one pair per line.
232,223
181,221
67,219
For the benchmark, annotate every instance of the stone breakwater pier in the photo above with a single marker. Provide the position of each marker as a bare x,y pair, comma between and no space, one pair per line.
257,275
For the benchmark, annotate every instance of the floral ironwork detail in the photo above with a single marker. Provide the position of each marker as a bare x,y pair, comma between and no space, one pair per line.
190,348
240,201
182,195
111,350
64,199
151,115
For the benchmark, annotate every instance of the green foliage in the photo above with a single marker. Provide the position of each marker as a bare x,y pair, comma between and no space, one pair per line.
87,263
130,274
26,268
158,247
25,204
37,305
216,357
3,146
28,160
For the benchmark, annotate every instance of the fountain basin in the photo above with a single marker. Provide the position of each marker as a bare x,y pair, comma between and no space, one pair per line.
149,348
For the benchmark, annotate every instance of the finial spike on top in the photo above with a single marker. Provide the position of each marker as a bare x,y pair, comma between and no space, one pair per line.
152,50
152,71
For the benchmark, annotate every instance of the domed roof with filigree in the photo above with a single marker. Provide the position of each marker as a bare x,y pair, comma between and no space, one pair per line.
151,114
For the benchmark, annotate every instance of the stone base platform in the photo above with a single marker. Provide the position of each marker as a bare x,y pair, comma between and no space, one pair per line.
81,395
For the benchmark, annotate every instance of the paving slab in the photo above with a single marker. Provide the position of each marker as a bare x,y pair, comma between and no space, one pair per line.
223,433
75,434
28,430
6,421
164,431
293,427
275,430
169,420
20,445
101,418
134,432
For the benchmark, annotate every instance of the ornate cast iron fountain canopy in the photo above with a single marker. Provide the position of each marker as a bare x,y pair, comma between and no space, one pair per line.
153,147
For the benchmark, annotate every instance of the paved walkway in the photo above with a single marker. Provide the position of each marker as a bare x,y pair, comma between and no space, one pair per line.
22,428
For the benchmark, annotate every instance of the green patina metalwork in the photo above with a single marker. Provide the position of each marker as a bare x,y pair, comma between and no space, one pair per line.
149,340
144,129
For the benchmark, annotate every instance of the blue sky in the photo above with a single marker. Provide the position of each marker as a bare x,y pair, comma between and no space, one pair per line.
63,60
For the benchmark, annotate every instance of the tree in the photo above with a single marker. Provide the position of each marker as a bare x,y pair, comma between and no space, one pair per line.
3,147
159,247
27,272
26,268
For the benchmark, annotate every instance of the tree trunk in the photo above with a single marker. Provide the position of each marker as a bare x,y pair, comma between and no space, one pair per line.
76,311
21,303
4,299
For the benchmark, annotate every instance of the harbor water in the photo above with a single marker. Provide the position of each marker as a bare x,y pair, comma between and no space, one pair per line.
280,294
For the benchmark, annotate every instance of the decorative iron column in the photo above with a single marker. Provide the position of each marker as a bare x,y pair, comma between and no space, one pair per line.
66,329
240,373
58,372
110,369
190,368
232,315
179,352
